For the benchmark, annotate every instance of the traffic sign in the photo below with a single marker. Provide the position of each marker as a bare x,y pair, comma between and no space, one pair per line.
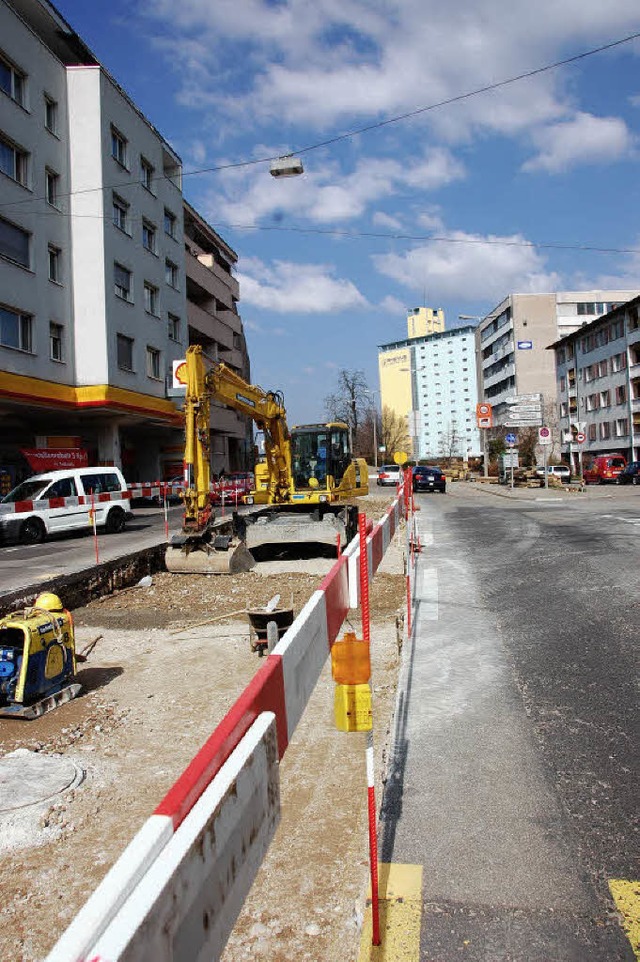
523,398
580,437
484,415
510,438
544,435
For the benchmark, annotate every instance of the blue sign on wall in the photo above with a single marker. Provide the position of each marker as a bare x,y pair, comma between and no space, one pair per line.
525,345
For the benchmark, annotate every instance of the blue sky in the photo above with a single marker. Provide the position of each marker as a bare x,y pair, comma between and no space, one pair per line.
549,160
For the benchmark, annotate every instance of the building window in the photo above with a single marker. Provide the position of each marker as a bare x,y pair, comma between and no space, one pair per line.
605,399
150,298
148,236
122,280
174,327
153,363
622,427
146,174
55,263
605,430
125,352
52,187
13,81
592,432
592,402
586,307
14,243
621,394
169,223
619,362
14,161
119,147
120,214
16,329
50,114
56,332
171,274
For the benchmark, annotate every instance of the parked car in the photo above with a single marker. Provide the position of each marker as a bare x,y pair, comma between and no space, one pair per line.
50,504
604,469
560,471
429,479
232,487
388,474
630,474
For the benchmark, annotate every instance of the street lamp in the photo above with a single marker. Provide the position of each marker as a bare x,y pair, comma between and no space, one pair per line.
370,395
469,317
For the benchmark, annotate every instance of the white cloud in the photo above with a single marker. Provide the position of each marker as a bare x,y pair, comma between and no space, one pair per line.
288,288
321,65
635,100
471,269
324,195
584,139
380,219
392,305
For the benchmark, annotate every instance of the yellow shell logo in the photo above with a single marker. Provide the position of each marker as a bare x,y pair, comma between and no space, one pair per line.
54,664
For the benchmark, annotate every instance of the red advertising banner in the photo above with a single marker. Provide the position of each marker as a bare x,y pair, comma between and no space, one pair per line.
53,459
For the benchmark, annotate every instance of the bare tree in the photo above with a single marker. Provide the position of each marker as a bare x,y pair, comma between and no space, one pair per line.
366,438
393,432
450,444
349,400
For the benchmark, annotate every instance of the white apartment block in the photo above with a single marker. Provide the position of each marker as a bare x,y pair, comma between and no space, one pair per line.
93,269
512,341
598,385
431,380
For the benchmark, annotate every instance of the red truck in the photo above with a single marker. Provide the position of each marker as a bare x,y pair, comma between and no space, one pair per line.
604,469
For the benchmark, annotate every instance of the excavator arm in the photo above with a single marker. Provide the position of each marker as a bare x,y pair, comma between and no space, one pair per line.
267,410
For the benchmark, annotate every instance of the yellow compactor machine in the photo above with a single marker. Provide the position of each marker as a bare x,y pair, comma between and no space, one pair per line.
303,489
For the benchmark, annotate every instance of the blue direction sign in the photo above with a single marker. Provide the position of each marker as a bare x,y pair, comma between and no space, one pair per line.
510,438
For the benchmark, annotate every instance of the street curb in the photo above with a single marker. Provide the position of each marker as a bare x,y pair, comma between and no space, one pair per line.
80,587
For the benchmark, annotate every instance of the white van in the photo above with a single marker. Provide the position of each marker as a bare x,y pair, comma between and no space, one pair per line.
62,501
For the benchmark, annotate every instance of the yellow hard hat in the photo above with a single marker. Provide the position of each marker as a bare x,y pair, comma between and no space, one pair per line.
48,601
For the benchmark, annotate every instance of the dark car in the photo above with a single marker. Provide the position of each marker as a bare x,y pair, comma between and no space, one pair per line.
630,474
429,479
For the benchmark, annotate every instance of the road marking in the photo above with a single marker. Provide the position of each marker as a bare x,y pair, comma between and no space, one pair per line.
428,597
400,893
626,895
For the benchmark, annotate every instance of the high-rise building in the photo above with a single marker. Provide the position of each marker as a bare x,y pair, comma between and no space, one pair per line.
430,380
422,321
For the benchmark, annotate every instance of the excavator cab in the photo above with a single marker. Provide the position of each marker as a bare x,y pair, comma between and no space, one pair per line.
320,456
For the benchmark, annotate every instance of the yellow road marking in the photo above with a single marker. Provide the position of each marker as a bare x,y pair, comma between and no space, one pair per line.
400,899
626,895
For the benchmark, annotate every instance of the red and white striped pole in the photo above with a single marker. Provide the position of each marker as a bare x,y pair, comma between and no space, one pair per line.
371,792
95,527
166,510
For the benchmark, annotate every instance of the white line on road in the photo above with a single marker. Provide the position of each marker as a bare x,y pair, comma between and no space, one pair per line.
429,594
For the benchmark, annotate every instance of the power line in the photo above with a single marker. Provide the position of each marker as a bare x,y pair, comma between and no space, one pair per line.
359,130
138,220
552,245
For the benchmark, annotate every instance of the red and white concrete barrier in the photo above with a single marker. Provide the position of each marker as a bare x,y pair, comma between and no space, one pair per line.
177,889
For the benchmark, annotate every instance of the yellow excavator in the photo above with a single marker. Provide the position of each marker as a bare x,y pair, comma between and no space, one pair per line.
303,490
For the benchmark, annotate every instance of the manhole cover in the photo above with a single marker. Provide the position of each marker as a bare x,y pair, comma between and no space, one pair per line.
27,778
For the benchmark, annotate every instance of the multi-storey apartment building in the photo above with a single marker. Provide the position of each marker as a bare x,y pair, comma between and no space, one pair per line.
214,322
511,341
93,287
598,384
431,381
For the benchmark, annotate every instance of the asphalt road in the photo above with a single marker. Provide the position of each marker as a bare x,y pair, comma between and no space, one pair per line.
514,782
22,565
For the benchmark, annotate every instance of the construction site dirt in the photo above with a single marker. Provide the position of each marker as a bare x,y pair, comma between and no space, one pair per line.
170,660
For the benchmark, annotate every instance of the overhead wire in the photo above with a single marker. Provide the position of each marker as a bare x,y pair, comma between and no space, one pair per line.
359,130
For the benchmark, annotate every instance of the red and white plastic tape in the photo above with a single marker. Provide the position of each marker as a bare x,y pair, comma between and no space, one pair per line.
175,892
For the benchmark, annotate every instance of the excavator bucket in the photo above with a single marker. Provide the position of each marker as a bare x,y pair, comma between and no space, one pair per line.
207,559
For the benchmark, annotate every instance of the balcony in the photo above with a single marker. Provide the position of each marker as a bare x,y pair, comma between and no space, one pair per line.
211,278
210,325
226,421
